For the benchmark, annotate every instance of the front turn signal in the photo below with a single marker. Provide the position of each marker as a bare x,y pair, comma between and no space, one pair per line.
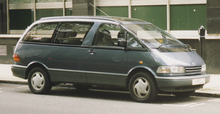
16,58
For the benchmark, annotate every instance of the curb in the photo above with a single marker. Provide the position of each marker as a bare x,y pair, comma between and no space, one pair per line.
207,94
13,82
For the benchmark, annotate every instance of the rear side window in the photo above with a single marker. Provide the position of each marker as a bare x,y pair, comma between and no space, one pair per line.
41,33
72,32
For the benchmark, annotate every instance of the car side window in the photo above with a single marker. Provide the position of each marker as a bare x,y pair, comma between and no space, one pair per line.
108,35
72,32
132,42
41,33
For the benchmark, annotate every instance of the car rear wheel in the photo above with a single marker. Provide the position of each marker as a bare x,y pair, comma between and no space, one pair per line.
38,81
142,87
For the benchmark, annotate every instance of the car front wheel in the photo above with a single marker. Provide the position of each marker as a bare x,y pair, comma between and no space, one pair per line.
38,81
142,87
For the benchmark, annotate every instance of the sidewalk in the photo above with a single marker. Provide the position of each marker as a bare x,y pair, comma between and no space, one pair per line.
212,88
6,75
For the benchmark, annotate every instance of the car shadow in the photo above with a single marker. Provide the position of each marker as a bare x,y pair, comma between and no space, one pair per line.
109,95
115,95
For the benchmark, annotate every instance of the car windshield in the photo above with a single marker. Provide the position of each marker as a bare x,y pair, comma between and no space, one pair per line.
151,35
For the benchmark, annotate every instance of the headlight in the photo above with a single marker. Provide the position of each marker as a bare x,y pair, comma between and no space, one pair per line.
170,69
203,69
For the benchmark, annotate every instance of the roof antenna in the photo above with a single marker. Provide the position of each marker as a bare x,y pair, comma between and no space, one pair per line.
100,10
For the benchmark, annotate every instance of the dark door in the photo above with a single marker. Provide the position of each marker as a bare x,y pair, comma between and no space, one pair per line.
3,17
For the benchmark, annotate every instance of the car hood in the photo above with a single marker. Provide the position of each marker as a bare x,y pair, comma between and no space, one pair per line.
179,58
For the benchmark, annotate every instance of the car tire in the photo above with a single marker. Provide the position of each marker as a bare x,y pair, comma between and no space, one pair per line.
38,81
142,87
184,94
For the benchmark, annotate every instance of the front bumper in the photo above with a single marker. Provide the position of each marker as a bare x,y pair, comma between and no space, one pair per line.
180,84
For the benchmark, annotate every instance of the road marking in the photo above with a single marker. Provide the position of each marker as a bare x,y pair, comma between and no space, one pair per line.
186,105
214,100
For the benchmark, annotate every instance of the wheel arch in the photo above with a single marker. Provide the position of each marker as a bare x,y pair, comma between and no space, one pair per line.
141,69
34,65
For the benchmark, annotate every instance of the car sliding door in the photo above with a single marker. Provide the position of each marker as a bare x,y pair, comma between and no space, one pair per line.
67,59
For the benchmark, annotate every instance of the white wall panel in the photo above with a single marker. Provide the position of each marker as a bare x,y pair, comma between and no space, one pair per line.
49,5
146,2
112,2
21,6
68,4
172,2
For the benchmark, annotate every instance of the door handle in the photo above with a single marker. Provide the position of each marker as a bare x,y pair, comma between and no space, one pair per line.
91,51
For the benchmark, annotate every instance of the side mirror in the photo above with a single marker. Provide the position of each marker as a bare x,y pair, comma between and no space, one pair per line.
122,43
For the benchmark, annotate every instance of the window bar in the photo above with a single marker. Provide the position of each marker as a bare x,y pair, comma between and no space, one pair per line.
35,10
64,6
168,16
129,9
8,29
94,8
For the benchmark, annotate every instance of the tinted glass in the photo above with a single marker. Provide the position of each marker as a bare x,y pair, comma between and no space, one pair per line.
109,35
48,13
72,33
40,33
20,1
132,42
20,19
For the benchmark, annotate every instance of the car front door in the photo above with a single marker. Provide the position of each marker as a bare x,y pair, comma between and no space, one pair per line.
107,60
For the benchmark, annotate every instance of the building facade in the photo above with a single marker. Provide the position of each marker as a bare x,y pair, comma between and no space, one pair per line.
175,16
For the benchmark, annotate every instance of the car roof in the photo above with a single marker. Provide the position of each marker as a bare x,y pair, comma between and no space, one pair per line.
100,18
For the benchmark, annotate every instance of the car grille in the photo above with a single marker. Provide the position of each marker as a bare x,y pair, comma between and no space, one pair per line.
193,70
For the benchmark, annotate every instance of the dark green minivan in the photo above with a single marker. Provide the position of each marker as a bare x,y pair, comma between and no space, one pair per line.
107,51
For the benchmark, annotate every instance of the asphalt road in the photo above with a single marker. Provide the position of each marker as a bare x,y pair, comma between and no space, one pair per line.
17,99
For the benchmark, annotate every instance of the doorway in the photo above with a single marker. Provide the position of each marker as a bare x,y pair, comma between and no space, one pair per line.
3,17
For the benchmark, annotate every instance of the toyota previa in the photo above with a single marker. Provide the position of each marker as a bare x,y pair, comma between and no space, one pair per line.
119,52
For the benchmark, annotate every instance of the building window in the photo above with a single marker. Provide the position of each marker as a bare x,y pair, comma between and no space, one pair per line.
113,11
20,19
69,11
49,12
187,17
20,1
3,50
154,14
